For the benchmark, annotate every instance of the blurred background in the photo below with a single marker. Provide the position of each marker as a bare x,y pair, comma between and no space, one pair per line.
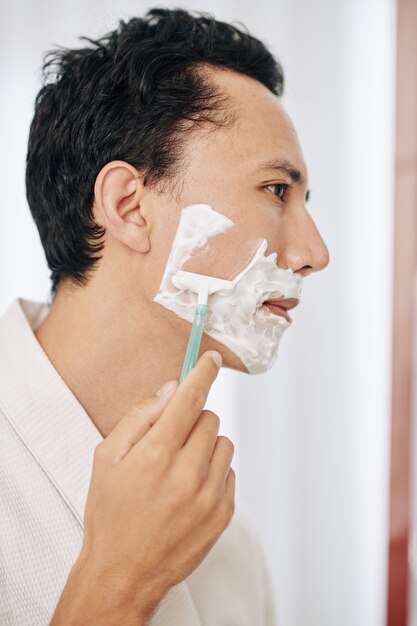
312,436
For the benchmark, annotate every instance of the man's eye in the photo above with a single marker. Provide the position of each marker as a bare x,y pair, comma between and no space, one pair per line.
279,189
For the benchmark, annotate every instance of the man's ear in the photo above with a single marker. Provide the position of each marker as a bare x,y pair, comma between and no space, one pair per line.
119,197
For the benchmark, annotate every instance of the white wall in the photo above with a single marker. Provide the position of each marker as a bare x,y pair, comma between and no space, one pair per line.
312,435
325,407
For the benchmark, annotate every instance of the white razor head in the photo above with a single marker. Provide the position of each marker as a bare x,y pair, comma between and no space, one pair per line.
194,282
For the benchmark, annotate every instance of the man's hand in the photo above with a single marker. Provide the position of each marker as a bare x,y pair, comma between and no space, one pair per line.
161,494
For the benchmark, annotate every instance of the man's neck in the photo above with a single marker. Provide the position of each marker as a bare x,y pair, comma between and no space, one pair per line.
110,356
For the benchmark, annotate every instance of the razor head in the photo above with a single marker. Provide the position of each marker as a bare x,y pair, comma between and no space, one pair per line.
203,285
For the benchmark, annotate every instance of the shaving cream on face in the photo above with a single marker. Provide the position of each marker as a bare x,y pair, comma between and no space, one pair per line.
236,320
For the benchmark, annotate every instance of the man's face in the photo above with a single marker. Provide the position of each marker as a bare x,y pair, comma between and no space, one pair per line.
254,173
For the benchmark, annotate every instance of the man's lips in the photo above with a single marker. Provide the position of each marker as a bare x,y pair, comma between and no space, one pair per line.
280,306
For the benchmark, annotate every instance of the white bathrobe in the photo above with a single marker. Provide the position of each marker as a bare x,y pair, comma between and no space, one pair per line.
47,442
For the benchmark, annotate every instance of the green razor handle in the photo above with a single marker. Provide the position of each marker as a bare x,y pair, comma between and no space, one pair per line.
194,341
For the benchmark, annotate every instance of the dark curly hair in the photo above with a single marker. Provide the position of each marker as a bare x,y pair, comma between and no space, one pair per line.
132,95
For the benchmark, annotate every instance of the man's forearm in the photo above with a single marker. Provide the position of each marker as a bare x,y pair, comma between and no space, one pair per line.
86,600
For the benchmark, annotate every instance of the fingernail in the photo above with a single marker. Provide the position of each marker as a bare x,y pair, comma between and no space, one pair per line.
216,358
165,389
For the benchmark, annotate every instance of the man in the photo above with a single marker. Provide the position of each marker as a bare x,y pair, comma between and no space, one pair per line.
118,501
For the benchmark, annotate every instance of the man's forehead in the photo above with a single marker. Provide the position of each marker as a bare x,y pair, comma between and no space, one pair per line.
267,150
262,123
260,139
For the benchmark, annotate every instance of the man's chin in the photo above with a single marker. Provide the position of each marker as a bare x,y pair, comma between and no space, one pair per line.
234,363
259,363
231,360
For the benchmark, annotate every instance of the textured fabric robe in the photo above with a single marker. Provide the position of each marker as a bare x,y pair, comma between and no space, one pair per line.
47,441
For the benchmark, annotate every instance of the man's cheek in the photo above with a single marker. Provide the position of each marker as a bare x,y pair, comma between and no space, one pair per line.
198,225
224,256
206,242
236,320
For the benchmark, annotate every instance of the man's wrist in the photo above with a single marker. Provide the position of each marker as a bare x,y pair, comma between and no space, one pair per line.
92,596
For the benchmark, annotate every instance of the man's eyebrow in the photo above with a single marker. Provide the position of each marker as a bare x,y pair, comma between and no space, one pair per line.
284,166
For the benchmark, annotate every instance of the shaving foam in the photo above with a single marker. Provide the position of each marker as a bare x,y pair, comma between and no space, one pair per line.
237,320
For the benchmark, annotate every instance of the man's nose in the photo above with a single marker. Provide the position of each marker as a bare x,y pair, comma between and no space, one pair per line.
304,250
